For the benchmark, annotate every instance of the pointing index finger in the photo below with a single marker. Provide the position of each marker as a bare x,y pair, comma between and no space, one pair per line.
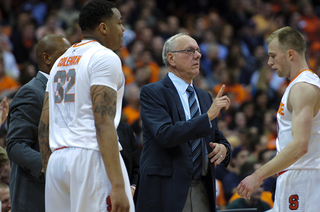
221,91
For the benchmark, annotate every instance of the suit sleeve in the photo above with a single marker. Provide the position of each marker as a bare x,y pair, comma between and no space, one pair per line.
25,111
156,115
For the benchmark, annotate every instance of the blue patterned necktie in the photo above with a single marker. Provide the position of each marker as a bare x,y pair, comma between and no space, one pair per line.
195,144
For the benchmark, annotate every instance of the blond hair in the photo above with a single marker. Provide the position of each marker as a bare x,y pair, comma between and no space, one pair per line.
289,38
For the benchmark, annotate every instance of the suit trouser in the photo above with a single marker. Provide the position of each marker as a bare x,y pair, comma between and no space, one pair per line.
197,199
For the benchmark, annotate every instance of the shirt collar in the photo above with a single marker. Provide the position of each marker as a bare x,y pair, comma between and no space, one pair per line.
179,83
44,74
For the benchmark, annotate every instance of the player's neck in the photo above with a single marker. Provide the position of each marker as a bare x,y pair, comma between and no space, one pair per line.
296,69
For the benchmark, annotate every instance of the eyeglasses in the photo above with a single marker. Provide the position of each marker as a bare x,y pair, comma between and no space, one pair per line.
189,51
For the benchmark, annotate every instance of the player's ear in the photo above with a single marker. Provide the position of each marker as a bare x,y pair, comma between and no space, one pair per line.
103,28
291,54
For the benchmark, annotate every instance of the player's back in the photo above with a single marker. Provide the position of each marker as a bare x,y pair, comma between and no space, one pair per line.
71,116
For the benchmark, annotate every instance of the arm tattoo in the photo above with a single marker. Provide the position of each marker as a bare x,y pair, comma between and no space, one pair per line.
45,150
104,100
46,104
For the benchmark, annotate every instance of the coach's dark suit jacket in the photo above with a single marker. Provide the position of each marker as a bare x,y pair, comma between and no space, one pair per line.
165,163
26,182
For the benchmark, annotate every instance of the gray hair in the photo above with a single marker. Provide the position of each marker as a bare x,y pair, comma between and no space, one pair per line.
169,46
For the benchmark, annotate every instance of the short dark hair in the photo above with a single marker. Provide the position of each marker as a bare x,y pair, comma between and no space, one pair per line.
94,12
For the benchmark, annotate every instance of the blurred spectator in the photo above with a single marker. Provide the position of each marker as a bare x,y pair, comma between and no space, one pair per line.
146,35
73,33
314,55
127,71
28,71
257,144
129,34
210,38
5,177
3,138
150,12
7,15
265,19
261,103
67,14
173,26
7,84
226,35
37,8
3,159
200,26
254,124
220,200
142,76
24,42
135,49
147,61
270,128
235,91
132,98
251,37
5,198
309,23
256,197
156,50
240,121
239,13
295,21
217,68
200,82
230,182
50,27
163,72
211,55
255,62
267,80
266,155
10,64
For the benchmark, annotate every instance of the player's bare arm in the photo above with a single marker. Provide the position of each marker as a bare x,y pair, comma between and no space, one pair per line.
104,101
303,101
43,133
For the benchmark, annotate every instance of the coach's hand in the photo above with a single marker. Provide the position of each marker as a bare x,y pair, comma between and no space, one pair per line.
218,103
119,200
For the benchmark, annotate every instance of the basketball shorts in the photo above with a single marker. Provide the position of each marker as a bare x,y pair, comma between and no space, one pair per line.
298,191
76,180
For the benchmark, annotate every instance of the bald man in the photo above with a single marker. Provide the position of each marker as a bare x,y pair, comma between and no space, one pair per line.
27,181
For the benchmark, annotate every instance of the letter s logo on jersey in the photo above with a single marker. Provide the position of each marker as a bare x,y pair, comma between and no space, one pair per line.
281,108
294,202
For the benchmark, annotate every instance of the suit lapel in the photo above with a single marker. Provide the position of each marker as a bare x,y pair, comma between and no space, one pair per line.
173,91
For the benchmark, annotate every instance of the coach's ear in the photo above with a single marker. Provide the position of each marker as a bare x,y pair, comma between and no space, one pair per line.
103,28
170,59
